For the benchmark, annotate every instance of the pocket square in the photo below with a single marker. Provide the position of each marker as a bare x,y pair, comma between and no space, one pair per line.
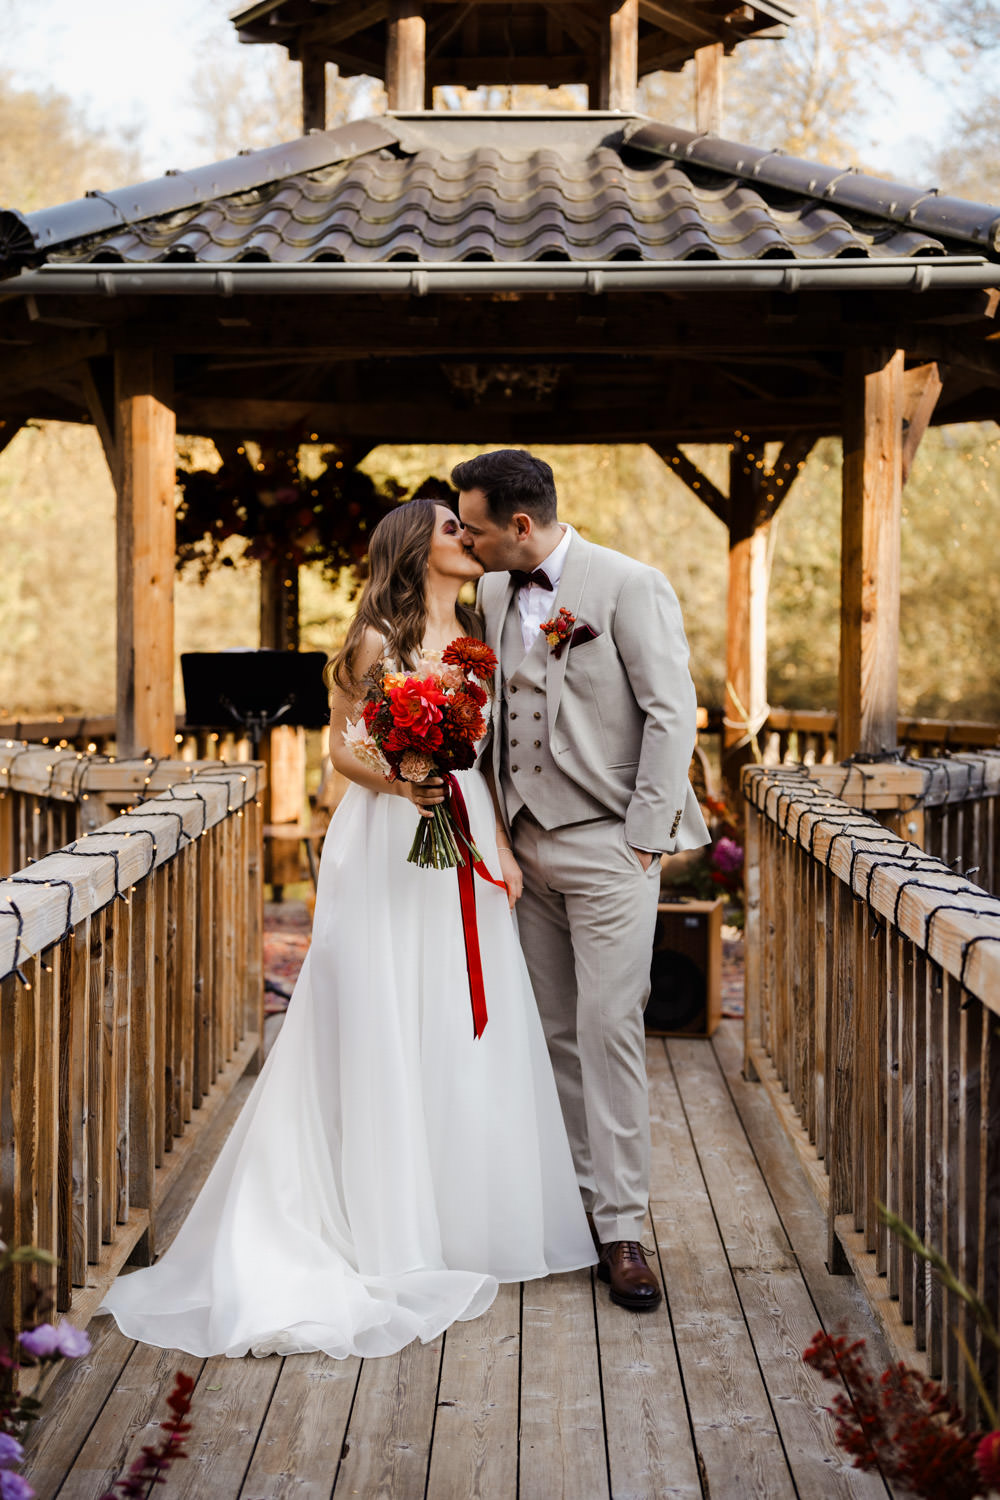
581,634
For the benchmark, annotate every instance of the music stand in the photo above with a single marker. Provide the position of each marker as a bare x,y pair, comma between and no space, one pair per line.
254,689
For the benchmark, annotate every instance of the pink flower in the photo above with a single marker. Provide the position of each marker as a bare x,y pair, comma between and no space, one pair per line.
415,767
47,1342
727,856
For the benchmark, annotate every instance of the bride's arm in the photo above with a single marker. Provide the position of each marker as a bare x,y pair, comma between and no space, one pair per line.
343,707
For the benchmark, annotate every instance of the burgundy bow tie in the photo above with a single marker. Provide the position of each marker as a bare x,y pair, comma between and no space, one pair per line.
522,580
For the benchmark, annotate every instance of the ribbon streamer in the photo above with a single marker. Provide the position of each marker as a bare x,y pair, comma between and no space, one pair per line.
467,897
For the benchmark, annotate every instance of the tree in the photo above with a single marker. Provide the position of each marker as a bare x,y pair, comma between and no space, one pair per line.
48,153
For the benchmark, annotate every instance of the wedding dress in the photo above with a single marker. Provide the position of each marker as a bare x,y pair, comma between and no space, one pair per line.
387,1170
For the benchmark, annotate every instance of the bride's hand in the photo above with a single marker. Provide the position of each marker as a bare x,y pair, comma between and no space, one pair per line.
425,795
510,872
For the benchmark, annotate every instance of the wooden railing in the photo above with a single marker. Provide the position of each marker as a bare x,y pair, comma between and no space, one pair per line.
873,983
131,992
96,735
808,737
948,805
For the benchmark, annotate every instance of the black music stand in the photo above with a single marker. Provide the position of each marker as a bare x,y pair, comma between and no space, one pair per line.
254,689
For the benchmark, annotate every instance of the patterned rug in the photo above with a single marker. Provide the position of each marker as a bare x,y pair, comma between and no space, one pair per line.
288,924
287,929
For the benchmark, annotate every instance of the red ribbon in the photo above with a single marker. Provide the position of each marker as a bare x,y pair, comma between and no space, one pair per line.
467,896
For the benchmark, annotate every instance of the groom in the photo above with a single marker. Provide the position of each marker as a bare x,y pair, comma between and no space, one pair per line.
591,750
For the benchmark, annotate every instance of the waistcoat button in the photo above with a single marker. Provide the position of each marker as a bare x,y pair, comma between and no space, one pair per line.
537,715
513,689
538,768
512,716
537,690
513,743
538,744
514,768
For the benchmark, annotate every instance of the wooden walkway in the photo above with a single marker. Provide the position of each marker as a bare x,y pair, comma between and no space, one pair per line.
554,1393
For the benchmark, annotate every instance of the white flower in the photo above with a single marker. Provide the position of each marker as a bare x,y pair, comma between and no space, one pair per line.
360,743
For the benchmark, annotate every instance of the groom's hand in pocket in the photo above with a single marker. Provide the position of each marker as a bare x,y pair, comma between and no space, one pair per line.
425,795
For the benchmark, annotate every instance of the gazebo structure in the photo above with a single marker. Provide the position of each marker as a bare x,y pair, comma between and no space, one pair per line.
430,276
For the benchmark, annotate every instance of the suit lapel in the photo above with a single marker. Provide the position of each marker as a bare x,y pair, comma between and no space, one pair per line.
568,596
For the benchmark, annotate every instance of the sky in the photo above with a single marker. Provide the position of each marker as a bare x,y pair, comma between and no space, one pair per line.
126,62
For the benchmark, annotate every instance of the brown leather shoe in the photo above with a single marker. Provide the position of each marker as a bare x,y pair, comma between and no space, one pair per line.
633,1284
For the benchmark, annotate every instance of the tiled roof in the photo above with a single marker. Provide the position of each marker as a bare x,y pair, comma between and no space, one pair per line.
512,189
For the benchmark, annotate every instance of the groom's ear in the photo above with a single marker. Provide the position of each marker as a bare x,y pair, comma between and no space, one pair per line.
522,524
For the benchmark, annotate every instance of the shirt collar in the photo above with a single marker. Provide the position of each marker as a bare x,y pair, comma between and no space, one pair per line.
552,566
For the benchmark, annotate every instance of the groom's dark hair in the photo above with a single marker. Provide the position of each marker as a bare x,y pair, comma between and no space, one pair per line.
511,480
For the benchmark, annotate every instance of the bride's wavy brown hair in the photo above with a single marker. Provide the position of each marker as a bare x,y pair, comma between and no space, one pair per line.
393,601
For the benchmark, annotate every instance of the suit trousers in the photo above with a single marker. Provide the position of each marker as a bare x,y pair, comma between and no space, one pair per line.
586,922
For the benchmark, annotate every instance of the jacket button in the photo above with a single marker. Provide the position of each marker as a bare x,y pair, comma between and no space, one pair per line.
538,744
537,714
513,743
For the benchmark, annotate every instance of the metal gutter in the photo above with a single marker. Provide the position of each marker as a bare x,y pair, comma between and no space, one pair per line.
251,278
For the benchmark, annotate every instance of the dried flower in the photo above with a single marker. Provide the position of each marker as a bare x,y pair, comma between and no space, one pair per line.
415,767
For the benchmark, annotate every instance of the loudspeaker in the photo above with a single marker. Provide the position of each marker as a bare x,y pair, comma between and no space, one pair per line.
685,997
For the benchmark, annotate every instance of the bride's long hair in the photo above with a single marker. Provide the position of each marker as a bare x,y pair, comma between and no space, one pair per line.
393,601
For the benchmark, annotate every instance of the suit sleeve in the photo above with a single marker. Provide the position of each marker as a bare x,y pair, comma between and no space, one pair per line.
649,637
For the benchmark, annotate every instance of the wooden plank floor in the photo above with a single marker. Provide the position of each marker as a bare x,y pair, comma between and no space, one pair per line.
554,1392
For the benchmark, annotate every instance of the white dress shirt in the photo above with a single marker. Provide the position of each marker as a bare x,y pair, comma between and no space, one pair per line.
536,604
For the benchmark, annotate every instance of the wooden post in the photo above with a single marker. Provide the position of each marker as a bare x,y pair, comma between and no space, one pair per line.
619,61
279,605
146,431
313,92
869,569
746,611
404,67
284,747
708,88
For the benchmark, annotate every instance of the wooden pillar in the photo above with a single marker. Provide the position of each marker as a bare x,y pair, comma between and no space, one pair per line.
404,67
869,569
145,451
313,92
279,605
746,612
619,61
708,88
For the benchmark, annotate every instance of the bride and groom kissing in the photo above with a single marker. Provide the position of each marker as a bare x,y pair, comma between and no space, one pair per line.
389,1169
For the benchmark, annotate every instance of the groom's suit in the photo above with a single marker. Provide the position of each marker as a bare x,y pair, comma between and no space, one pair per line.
591,751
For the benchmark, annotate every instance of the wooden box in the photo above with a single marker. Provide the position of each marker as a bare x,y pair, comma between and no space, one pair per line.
686,976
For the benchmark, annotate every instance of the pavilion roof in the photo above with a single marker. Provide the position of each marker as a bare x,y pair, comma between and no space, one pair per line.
559,187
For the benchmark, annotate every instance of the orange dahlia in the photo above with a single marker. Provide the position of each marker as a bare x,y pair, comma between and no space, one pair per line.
472,656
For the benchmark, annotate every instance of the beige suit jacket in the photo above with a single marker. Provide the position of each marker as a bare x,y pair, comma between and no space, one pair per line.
621,708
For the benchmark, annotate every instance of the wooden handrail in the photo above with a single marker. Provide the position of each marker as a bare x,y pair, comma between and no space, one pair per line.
872,983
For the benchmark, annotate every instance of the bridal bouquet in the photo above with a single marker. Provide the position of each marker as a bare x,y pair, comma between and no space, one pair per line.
424,723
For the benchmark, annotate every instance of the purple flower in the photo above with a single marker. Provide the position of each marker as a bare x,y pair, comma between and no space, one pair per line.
42,1342
11,1451
727,856
46,1342
73,1341
14,1486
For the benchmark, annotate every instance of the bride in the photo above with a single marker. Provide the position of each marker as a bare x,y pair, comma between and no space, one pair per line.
388,1170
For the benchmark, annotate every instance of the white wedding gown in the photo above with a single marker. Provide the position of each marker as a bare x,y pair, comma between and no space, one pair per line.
387,1170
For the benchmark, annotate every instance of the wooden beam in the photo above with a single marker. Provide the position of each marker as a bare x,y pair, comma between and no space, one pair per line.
97,376
745,703
708,66
869,608
404,67
145,443
700,485
618,72
787,466
313,91
33,365
921,389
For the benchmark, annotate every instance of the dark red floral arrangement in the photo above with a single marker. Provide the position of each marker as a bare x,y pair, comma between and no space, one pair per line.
279,511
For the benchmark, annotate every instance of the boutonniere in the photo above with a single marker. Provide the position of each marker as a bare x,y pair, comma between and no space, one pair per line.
557,631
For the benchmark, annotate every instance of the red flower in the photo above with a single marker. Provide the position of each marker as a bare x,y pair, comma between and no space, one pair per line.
463,718
988,1460
415,702
472,656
